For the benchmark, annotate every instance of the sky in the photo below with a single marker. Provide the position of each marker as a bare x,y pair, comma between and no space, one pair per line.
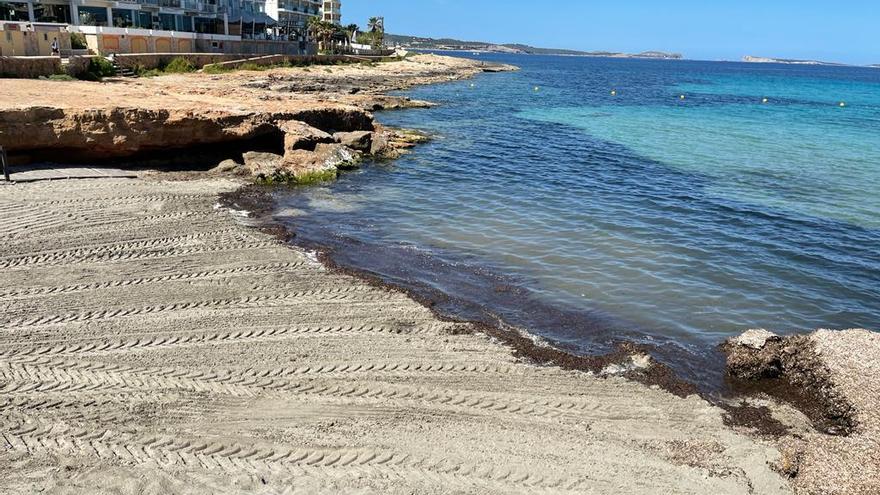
828,30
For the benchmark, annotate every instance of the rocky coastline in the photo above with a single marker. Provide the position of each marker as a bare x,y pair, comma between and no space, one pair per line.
313,120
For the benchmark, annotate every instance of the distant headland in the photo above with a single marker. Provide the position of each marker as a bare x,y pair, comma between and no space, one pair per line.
772,60
421,43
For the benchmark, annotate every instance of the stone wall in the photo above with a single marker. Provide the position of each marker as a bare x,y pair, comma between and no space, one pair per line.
29,67
78,65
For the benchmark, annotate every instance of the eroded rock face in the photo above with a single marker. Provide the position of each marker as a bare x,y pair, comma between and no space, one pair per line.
356,140
226,166
98,134
261,164
301,136
319,164
392,143
325,160
122,132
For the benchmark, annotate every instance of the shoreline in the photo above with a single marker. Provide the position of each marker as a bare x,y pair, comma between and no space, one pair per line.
257,201
680,454
201,350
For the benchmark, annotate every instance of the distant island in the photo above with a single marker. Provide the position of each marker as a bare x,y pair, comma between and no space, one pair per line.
420,43
770,60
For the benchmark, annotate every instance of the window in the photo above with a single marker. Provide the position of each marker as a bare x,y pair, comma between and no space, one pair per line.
10,11
209,25
144,20
52,13
166,22
123,18
93,16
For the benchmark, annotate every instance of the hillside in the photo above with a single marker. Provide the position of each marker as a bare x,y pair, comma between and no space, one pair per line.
420,43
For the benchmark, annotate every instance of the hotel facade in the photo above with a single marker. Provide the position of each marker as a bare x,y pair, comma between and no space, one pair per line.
332,11
148,26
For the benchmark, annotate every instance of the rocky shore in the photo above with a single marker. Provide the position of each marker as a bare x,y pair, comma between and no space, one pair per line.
314,119
822,393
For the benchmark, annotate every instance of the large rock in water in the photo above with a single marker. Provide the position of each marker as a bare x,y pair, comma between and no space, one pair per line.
262,164
325,160
356,140
322,163
301,136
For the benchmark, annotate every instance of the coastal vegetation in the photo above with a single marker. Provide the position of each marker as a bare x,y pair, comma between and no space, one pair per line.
78,41
323,32
98,69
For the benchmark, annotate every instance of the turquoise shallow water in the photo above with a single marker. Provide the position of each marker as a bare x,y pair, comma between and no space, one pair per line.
675,221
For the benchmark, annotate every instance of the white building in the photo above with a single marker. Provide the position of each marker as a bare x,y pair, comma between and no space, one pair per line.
293,15
245,18
331,11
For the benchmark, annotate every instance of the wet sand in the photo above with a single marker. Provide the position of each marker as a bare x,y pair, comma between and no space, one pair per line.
152,342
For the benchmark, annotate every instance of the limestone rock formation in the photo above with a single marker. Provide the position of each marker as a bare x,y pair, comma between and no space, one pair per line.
324,161
301,136
60,134
356,140
261,164
226,166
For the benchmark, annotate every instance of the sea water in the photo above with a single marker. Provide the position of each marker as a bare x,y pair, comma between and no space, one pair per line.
673,202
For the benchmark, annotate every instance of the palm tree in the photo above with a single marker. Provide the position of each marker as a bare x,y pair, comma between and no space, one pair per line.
351,32
373,24
376,26
322,31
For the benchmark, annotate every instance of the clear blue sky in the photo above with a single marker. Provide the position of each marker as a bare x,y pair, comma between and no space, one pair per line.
832,30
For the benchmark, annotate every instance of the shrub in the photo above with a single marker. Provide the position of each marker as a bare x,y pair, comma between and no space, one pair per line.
179,65
59,77
78,41
251,66
99,68
216,69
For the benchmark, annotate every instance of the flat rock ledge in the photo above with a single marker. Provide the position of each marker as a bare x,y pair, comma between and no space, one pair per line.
832,378
317,142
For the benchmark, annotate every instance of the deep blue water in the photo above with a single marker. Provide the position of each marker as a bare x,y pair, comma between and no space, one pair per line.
665,201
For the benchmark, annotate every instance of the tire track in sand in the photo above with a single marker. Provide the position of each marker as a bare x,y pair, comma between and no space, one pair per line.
122,251
165,451
67,289
67,376
330,294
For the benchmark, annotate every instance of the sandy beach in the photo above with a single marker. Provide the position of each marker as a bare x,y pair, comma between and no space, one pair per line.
152,343
155,340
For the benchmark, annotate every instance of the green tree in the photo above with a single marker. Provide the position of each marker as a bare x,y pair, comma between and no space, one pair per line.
322,31
350,31
376,25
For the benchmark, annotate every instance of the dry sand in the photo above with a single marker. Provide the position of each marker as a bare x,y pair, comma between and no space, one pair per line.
151,342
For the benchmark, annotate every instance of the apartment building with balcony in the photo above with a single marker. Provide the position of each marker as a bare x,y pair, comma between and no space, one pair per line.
293,16
143,26
331,11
